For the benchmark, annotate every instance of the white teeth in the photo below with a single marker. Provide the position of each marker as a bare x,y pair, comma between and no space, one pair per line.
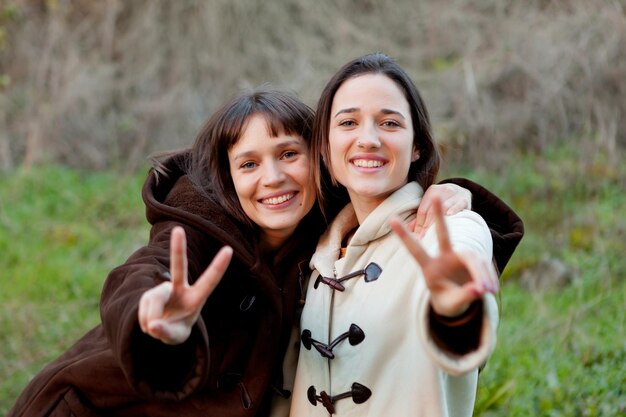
278,200
367,163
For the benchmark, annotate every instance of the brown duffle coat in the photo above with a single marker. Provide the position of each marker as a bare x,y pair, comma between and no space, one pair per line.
231,364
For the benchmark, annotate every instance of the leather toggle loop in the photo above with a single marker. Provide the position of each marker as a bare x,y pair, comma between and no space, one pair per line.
371,272
355,335
359,393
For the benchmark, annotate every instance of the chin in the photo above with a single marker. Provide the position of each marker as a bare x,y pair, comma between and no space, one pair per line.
284,225
368,192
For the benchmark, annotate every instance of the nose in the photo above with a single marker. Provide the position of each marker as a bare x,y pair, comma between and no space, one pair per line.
273,174
368,137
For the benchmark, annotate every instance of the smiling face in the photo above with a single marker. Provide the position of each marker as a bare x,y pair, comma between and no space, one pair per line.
272,180
370,140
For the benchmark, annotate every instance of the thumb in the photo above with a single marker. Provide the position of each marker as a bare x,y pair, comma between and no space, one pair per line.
454,302
170,333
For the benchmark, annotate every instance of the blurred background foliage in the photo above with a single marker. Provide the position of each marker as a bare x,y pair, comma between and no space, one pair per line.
526,98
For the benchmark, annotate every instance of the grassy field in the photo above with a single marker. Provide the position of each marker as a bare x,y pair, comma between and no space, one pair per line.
61,231
561,349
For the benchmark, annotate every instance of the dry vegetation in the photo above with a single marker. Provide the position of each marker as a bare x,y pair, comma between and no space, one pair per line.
100,84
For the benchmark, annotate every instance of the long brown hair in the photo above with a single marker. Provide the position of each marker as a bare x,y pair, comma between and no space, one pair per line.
425,169
210,170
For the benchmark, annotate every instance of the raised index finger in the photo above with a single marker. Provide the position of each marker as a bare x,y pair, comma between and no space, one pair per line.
442,231
410,242
178,257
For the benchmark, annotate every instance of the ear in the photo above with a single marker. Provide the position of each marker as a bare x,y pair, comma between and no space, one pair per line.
416,154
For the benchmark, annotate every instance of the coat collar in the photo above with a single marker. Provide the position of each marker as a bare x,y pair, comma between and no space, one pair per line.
403,202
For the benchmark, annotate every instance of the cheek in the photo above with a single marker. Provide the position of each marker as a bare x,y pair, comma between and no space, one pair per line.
407,149
336,153
241,187
245,196
310,198
303,176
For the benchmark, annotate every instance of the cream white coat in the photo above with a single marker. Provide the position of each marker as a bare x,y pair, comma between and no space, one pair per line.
407,373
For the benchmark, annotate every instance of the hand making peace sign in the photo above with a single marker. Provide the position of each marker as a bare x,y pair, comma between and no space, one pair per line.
455,279
168,311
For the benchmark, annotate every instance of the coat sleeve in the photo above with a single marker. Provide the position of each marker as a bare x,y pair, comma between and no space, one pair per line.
468,232
506,228
151,367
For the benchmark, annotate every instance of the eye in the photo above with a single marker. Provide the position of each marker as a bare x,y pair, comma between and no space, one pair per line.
391,123
347,123
289,154
248,165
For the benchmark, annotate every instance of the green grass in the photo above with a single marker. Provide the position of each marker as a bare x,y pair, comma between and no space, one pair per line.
560,352
61,231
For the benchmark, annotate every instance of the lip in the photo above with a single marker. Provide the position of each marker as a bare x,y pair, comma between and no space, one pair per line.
278,200
368,162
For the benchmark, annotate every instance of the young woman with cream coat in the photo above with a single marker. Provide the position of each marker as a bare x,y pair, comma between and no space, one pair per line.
393,325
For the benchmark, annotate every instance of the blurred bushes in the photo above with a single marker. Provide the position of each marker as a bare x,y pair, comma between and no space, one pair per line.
102,84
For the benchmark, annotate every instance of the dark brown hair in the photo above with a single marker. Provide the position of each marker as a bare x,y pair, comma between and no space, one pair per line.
210,169
425,169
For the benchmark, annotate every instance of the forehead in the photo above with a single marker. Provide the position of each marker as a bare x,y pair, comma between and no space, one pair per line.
256,125
258,134
368,90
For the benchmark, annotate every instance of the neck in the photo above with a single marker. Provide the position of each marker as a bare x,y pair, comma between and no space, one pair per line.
271,241
363,207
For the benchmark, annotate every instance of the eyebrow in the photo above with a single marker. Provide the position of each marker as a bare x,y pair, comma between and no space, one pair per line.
280,146
356,109
348,110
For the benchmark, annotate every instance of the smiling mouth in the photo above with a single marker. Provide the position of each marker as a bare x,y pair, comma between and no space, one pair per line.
278,200
368,163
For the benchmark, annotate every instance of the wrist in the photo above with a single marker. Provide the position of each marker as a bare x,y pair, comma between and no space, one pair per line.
458,319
